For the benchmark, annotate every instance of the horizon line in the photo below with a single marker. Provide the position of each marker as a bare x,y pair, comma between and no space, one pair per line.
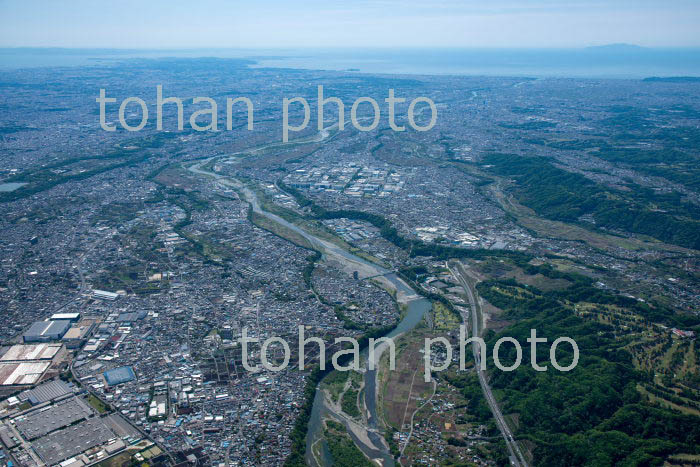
342,47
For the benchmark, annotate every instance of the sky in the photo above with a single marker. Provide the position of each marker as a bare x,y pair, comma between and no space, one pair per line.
176,24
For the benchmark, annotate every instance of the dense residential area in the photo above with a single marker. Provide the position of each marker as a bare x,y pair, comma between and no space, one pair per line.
133,262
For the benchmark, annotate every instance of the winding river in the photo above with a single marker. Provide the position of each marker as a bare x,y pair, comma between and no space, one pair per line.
368,438
372,440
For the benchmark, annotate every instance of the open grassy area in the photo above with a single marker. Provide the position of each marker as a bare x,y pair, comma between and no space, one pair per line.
671,362
314,227
97,404
117,461
443,318
498,268
279,230
403,389
335,383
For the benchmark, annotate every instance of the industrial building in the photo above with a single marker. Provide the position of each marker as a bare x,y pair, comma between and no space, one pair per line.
42,421
46,331
46,392
22,373
78,333
69,316
104,295
28,352
68,432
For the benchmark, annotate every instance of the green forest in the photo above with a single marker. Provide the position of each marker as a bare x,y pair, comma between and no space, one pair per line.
592,415
566,196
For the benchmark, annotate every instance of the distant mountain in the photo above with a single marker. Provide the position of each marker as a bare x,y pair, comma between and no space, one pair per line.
616,48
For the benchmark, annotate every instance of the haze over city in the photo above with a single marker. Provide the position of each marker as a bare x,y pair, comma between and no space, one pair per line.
386,23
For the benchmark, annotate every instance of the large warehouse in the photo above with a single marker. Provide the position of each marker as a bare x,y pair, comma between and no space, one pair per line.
45,331
69,316
22,373
24,352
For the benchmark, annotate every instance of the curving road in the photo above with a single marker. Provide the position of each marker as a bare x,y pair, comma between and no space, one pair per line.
516,456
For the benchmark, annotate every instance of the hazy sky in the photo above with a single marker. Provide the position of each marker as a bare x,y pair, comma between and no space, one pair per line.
349,23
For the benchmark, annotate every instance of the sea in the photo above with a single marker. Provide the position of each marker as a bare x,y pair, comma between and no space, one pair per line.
614,61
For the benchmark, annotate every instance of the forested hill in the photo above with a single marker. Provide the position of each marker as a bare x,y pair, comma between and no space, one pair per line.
565,196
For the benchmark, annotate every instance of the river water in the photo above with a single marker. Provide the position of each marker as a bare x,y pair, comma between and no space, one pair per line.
415,311
416,307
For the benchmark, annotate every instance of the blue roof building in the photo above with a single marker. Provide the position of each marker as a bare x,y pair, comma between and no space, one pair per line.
119,375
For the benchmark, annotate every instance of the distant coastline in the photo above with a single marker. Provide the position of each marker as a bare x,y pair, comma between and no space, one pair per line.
608,61
673,79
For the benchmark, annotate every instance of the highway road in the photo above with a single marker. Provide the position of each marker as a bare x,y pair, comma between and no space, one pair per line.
460,273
